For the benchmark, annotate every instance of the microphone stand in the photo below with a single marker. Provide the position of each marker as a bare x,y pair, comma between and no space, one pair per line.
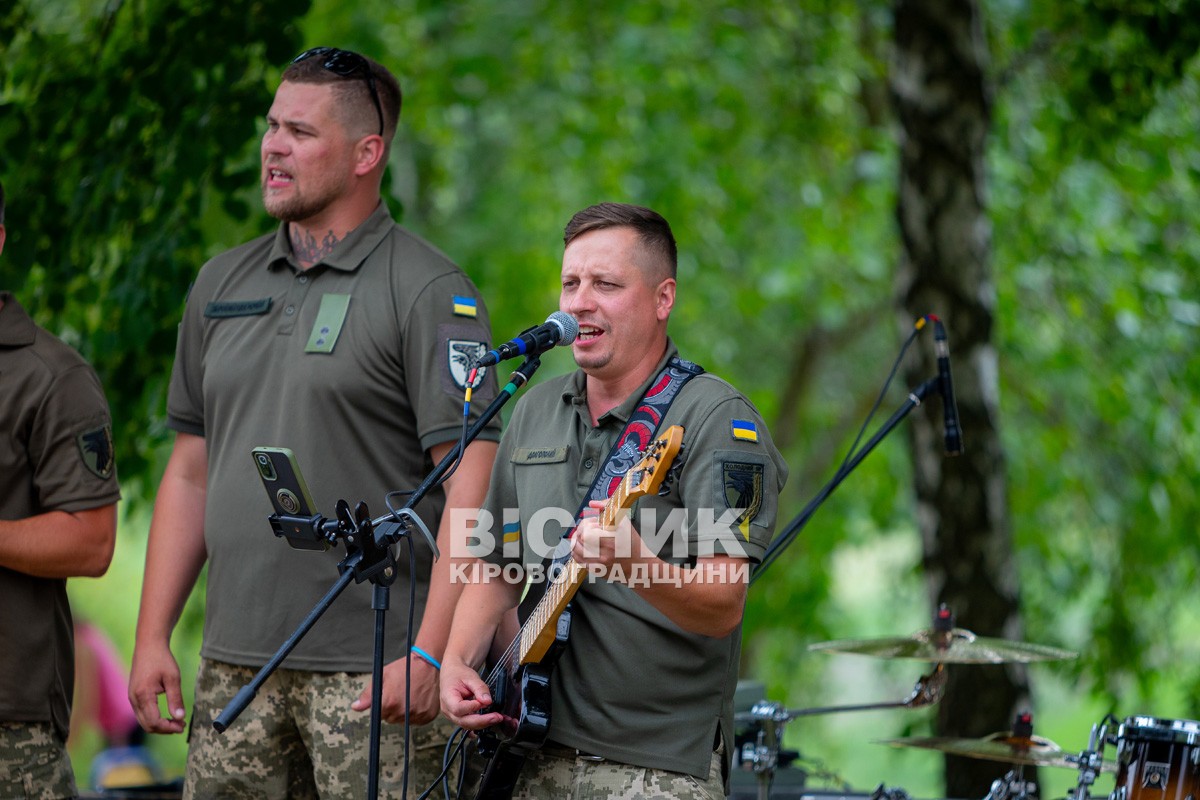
369,557
796,525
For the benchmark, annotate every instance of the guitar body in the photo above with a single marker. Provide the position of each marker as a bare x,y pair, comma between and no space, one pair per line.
520,681
523,696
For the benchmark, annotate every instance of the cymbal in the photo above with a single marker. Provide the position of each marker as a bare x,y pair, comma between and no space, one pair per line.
1030,750
954,646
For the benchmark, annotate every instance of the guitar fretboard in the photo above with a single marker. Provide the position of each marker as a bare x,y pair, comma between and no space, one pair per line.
567,576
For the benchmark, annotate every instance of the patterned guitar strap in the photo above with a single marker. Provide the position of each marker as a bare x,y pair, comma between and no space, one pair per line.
639,431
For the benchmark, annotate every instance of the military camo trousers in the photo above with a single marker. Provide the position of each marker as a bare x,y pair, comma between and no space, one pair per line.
34,763
557,777
299,739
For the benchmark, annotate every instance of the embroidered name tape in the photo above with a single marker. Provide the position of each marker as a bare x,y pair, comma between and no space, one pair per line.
540,455
221,309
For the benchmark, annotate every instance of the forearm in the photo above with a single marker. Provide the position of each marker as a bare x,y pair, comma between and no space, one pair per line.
707,599
482,607
60,544
175,552
464,694
465,490
173,563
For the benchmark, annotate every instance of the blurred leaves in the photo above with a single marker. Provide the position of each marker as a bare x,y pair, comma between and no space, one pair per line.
123,133
762,132
1100,290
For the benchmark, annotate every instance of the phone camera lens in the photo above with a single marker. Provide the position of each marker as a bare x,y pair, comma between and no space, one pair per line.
265,468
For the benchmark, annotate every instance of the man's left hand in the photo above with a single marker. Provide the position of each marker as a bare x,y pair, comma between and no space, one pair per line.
423,693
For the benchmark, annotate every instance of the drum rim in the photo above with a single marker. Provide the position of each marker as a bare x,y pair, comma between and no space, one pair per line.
1160,729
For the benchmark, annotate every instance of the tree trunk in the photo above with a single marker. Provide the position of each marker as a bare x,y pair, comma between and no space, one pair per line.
939,85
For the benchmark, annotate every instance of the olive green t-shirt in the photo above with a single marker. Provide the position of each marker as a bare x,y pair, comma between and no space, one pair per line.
358,365
56,454
631,685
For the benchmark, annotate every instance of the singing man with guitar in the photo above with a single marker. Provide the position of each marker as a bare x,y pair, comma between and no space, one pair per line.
634,695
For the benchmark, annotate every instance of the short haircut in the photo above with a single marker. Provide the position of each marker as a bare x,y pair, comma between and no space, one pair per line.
654,232
354,94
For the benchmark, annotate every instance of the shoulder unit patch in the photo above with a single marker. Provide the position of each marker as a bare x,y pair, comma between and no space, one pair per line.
461,354
743,483
96,450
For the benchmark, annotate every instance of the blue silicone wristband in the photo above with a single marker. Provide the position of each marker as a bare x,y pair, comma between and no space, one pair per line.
433,662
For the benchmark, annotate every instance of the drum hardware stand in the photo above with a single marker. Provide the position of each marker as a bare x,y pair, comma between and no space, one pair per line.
1012,785
763,754
883,793
1091,759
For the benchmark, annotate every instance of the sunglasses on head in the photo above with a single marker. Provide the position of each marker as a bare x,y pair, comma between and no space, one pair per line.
346,64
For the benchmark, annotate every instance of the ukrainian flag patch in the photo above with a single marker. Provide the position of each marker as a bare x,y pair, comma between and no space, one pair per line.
745,430
466,306
512,532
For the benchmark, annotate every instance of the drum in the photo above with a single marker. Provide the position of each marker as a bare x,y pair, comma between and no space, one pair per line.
1157,759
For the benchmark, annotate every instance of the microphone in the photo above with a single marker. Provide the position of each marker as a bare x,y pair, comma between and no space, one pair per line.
559,328
954,444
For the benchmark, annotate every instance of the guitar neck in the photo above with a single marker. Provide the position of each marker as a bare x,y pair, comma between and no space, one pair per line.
538,632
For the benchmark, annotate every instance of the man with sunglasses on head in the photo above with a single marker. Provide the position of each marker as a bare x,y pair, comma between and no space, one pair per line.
343,338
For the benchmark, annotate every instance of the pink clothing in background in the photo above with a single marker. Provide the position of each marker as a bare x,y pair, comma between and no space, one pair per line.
114,714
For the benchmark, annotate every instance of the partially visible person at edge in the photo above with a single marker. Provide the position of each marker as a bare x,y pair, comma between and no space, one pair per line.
345,338
102,711
642,698
58,520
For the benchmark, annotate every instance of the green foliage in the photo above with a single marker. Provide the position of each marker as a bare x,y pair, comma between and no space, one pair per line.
1114,59
120,127
761,130
1097,262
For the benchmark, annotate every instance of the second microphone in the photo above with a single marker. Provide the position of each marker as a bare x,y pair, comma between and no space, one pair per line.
559,329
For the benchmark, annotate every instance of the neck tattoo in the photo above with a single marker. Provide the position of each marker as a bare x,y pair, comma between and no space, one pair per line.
307,249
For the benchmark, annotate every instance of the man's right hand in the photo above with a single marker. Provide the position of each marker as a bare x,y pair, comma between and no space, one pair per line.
464,696
155,672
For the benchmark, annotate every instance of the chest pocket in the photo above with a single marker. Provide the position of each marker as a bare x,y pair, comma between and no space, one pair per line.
544,479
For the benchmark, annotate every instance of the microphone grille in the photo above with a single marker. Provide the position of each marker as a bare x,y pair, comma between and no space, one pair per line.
567,324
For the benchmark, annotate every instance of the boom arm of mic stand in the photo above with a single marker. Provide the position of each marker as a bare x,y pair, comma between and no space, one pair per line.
519,377
242,699
796,525
387,531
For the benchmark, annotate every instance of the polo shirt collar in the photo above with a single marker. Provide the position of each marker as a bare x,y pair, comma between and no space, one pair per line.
576,391
349,254
16,328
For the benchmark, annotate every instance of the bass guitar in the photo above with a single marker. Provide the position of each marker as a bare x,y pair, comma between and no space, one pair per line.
520,680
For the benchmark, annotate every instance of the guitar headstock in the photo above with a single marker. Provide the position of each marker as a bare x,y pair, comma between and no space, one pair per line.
646,476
